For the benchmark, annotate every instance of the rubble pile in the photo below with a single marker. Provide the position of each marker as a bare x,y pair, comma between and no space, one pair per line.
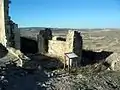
9,55
12,78
106,80
16,56
114,61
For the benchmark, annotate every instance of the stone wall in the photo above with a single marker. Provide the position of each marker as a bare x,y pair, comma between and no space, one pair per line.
2,23
73,43
42,38
9,32
17,36
40,44
57,45
57,48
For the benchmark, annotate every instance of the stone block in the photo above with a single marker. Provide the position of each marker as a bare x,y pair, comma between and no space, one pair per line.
57,48
43,37
74,42
114,61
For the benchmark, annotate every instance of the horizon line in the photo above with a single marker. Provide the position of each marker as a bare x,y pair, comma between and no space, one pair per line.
64,28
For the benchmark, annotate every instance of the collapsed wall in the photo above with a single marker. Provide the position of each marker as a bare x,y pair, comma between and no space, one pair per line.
58,46
3,15
73,43
9,37
13,35
9,32
42,39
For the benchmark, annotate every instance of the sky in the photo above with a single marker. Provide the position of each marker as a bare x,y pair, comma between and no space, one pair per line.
66,13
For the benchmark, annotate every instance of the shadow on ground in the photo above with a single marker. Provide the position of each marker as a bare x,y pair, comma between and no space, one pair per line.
45,61
90,57
16,78
31,76
3,51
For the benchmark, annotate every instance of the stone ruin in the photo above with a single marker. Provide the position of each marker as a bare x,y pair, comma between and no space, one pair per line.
9,36
47,43
9,32
57,46
2,22
43,37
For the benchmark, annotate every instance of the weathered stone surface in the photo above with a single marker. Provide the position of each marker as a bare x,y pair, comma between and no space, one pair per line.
8,55
9,33
114,61
74,42
43,37
70,41
2,23
77,43
16,56
46,34
5,25
13,37
57,48
40,44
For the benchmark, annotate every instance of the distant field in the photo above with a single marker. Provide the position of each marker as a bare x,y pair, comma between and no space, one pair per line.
33,33
102,40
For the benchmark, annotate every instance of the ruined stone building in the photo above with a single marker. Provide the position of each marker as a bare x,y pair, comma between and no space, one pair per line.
57,46
9,32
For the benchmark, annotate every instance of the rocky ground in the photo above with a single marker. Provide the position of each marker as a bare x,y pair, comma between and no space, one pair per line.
90,81
16,78
43,74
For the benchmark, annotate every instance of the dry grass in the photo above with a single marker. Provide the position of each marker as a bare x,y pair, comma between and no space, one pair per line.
105,40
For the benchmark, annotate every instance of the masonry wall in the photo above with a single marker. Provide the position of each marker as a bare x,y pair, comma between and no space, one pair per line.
2,23
57,48
73,43
17,36
9,32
